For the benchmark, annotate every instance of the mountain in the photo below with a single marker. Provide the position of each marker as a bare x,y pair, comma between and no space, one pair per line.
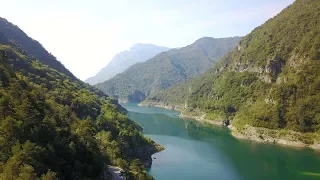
120,62
12,35
54,126
167,69
270,81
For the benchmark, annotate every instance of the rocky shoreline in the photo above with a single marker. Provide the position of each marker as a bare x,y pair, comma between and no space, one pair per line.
161,105
261,135
201,119
147,161
183,115
268,136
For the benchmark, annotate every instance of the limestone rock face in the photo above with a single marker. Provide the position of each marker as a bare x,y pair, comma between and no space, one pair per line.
274,66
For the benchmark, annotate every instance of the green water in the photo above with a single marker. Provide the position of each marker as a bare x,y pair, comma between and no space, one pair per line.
203,152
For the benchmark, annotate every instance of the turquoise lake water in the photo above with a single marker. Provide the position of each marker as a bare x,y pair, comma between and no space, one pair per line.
203,152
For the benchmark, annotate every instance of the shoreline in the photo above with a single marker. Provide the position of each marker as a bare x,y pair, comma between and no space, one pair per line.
147,161
256,134
201,119
160,105
268,137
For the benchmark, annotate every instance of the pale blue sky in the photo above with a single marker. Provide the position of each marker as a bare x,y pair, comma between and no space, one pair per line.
84,35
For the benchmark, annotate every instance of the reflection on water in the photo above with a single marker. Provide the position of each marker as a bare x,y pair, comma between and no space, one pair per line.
197,151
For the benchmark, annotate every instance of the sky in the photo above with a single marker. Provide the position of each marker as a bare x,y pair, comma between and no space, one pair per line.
85,35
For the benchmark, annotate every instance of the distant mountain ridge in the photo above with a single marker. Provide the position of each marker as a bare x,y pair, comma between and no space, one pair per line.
121,61
167,69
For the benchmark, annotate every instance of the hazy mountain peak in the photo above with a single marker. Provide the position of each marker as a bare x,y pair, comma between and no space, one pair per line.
139,52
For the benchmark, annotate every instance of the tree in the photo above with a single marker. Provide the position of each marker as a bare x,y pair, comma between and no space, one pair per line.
49,176
6,106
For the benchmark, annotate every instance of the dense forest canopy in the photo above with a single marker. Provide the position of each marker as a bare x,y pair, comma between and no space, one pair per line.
53,126
270,80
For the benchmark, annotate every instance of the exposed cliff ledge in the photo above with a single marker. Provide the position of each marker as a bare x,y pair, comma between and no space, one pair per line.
267,73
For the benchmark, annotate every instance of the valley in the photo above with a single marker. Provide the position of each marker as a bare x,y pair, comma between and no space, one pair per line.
242,104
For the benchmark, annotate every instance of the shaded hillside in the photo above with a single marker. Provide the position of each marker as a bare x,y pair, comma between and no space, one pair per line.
123,60
10,34
167,69
271,80
54,126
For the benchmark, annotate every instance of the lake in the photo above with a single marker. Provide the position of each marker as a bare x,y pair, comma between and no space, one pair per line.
205,152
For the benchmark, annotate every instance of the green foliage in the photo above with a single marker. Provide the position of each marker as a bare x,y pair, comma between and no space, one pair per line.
53,126
167,69
271,80
49,176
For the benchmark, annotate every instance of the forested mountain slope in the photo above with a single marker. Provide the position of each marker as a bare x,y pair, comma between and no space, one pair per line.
123,60
11,34
271,80
167,69
53,126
